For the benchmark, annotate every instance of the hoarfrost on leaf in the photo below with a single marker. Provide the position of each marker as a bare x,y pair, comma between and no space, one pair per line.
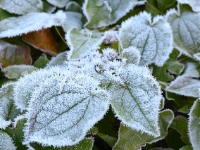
58,3
6,142
136,139
195,4
75,100
185,85
21,7
136,99
14,26
153,39
186,30
101,13
132,55
82,42
194,126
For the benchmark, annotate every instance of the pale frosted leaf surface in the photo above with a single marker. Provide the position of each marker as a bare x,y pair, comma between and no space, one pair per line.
16,71
186,30
14,26
85,144
58,3
6,142
153,39
194,126
82,42
197,56
133,140
64,107
195,4
132,55
72,20
58,60
191,69
184,85
102,13
21,7
136,99
74,7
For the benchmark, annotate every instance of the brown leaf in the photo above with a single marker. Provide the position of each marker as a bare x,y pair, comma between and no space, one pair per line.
14,55
42,40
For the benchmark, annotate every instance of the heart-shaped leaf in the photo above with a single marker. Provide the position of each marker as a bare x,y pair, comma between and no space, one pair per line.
186,29
14,26
21,7
153,39
102,13
14,55
75,100
136,99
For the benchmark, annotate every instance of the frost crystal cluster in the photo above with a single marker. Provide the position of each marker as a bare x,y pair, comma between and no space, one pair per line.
117,62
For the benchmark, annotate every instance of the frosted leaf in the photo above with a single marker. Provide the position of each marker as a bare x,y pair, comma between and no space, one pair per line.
136,139
85,144
194,126
6,142
186,30
16,71
195,4
81,43
136,99
21,7
187,147
101,13
64,107
58,3
153,39
58,60
191,69
74,7
14,26
184,85
132,55
197,56
72,20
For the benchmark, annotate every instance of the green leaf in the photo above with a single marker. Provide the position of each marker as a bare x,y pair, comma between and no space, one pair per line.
58,60
6,142
41,62
23,7
8,111
187,147
184,109
180,124
103,13
133,140
163,5
82,42
136,99
169,69
76,100
194,126
195,4
153,39
58,3
185,85
16,71
74,7
185,27
4,14
108,139
85,144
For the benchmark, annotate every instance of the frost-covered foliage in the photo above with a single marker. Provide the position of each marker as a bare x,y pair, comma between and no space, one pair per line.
118,63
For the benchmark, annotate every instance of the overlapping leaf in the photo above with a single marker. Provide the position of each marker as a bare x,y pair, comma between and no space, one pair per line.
133,140
14,55
186,29
152,39
75,100
103,13
14,26
82,42
136,99
58,3
194,126
195,4
21,6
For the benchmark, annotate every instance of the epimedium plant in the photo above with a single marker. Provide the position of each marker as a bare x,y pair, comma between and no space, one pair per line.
122,64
